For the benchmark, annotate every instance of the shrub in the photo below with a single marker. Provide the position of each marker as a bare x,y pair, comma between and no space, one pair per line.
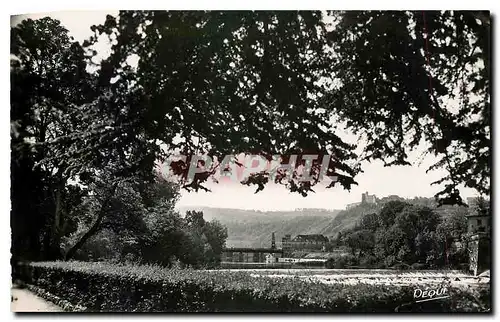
419,266
132,288
342,261
368,261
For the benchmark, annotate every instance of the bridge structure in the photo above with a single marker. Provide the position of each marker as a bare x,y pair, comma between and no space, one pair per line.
249,255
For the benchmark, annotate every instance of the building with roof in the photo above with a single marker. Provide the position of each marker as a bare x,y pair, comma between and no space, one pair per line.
313,242
479,217
478,223
367,198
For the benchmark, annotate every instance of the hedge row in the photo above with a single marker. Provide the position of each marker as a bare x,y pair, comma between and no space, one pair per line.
62,303
132,288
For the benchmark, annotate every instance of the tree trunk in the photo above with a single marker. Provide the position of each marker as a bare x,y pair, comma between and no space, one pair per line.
95,226
54,242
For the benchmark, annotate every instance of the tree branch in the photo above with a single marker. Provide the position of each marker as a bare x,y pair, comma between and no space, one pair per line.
95,226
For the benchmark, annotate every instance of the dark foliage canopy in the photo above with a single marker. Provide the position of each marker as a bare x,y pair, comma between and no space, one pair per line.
252,82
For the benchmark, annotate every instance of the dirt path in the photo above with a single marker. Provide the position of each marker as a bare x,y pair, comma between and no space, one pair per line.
26,301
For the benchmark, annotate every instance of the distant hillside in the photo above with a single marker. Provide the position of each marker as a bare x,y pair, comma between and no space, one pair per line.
346,219
252,228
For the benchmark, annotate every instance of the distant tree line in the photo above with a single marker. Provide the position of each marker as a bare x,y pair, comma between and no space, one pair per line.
405,235
141,225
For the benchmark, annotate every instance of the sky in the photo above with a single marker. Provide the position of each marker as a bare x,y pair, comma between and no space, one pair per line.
404,181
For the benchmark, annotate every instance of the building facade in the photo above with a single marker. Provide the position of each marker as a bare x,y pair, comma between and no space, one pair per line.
471,201
250,255
478,224
314,242
479,241
366,198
